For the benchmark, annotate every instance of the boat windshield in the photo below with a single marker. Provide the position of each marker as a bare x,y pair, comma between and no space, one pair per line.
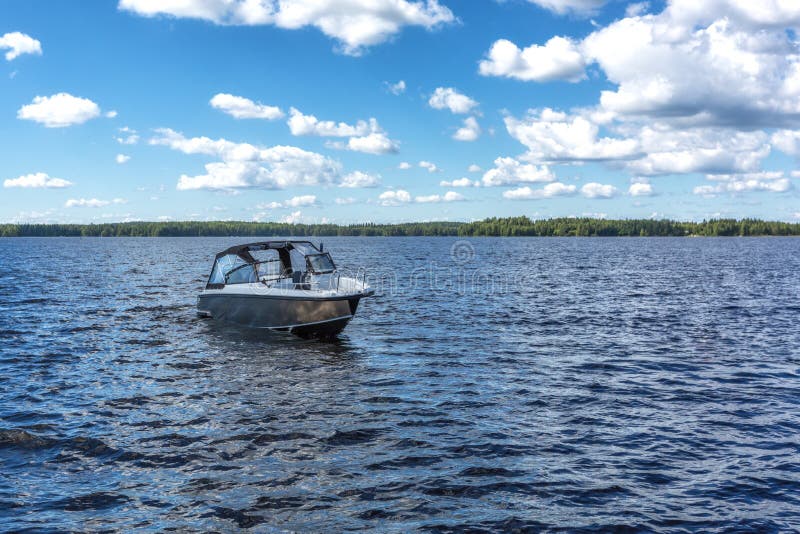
223,266
320,263
268,262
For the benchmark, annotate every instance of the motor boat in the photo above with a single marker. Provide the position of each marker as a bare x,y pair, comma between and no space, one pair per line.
291,286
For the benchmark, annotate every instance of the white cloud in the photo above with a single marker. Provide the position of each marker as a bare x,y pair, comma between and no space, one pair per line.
461,182
639,8
360,179
293,218
770,181
92,202
693,89
394,198
270,205
555,136
404,165
355,24
374,143
787,141
509,171
474,168
470,131
365,136
303,200
343,201
300,124
550,190
580,7
122,158
128,137
449,98
19,43
640,189
717,62
707,150
244,108
450,196
396,88
111,114
430,167
37,180
558,59
59,110
244,165
597,190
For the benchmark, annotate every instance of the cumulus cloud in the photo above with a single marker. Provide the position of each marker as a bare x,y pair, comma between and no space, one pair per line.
294,202
509,171
92,202
474,168
706,150
636,9
554,189
555,136
303,200
122,158
722,62
128,136
597,190
365,136
396,88
19,43
343,201
355,24
301,124
770,181
244,108
244,165
450,196
640,187
578,7
374,143
470,131
293,218
394,197
461,182
558,59
37,180
430,167
693,89
404,166
59,110
449,98
787,141
360,179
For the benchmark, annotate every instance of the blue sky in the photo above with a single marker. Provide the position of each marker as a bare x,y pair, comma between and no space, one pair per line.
295,110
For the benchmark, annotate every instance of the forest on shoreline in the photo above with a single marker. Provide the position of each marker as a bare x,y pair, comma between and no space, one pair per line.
499,227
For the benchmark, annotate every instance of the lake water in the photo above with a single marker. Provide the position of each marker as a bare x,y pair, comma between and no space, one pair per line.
494,384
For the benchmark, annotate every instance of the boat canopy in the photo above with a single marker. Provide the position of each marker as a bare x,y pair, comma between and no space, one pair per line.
268,261
243,251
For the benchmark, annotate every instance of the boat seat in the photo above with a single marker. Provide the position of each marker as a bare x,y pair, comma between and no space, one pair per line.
297,280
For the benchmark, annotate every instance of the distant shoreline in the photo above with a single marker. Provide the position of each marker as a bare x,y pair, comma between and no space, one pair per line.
492,227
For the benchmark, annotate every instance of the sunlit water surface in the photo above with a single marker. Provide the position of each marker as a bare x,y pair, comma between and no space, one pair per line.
537,384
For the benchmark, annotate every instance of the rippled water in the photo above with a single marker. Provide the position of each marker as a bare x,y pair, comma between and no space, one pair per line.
545,384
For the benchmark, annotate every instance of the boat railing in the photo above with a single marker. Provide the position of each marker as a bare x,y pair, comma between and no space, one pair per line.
362,272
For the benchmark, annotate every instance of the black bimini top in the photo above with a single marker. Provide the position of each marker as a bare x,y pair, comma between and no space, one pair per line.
243,251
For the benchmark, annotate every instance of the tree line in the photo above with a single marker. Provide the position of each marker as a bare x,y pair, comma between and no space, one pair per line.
495,226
